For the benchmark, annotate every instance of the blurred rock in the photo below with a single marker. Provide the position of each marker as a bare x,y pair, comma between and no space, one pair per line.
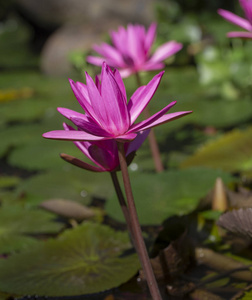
49,13
80,24
55,53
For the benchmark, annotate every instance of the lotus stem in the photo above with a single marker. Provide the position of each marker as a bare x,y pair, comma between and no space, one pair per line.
152,138
136,229
122,203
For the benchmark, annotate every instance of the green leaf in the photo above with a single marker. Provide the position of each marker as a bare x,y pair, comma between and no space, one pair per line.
69,183
87,259
8,181
4,296
159,196
16,223
230,152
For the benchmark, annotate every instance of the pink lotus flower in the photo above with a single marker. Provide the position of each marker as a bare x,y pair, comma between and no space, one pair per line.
104,154
107,113
243,23
130,52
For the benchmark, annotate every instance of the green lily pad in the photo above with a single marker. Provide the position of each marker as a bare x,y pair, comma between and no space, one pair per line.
4,296
69,182
83,260
16,223
8,181
159,196
230,152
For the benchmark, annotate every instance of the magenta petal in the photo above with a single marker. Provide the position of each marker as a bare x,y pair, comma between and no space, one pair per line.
150,66
142,97
98,104
240,34
110,53
68,113
95,60
143,125
167,118
85,104
119,81
107,159
137,142
115,103
126,137
247,7
126,72
89,127
232,18
83,91
71,136
135,44
150,36
165,50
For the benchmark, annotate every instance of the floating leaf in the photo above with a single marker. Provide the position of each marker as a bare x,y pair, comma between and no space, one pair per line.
159,196
70,209
230,152
9,95
4,296
69,183
83,260
237,221
16,223
246,294
8,181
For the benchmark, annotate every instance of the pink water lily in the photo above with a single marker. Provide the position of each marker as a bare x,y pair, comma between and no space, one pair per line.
107,113
243,23
104,154
131,50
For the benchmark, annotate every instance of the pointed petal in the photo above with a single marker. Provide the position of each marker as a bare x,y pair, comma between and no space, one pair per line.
71,136
165,50
106,158
232,18
126,137
135,44
247,7
151,66
98,83
126,72
150,36
110,53
143,125
95,60
98,104
166,118
85,104
83,90
115,103
119,39
240,34
142,97
137,142
68,113
79,163
89,127
83,146
119,81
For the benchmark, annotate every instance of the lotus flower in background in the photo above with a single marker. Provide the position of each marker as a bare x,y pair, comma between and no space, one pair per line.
130,52
104,154
243,23
107,114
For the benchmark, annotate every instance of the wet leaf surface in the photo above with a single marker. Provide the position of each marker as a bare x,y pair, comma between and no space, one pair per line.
87,259
159,200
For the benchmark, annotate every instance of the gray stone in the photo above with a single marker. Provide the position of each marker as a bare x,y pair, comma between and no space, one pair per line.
49,13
